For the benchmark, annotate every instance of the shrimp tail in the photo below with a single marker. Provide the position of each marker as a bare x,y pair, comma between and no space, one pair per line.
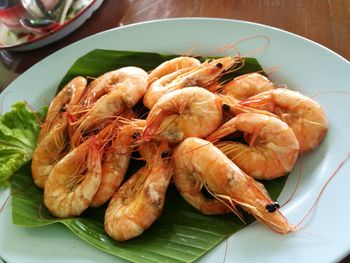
226,129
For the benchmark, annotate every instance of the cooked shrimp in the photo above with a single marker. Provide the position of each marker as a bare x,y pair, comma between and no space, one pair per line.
74,180
184,113
127,79
49,151
272,148
190,185
116,162
156,89
247,85
139,201
304,115
68,96
173,65
203,76
227,182
129,89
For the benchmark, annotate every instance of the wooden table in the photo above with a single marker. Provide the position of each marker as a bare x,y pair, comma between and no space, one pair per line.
326,22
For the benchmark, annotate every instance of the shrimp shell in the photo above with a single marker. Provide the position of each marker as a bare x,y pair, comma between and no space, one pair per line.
49,151
69,96
272,148
226,181
247,85
304,115
74,180
139,201
184,113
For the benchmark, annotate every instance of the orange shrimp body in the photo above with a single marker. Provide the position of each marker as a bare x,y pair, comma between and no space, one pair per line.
116,79
184,113
156,89
190,186
139,201
202,75
116,162
173,65
304,115
227,182
69,96
129,86
272,148
247,85
49,151
74,181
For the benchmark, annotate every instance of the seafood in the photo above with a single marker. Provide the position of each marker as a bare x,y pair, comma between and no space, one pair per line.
173,65
116,161
49,151
74,180
247,85
139,201
126,79
183,113
156,89
272,148
190,185
203,76
70,95
128,89
304,115
85,145
227,182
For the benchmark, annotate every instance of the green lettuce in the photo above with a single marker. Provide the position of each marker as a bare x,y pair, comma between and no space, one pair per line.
19,129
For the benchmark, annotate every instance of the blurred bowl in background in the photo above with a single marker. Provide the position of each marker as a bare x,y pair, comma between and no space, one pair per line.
44,8
11,11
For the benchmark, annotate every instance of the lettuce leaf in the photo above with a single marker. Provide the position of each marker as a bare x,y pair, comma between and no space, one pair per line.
19,129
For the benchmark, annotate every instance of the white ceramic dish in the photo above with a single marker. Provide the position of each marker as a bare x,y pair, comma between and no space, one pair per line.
81,11
304,65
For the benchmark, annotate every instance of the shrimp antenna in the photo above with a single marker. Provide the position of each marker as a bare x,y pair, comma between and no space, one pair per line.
257,50
341,164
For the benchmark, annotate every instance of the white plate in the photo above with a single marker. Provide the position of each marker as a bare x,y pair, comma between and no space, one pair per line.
304,65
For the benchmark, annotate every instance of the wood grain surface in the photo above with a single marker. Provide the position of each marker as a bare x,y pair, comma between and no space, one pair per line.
324,21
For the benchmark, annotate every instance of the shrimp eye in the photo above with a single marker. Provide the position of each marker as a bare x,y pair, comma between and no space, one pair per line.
135,135
271,208
219,65
165,154
225,107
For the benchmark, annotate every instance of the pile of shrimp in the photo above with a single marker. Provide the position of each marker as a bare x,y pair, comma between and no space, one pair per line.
199,133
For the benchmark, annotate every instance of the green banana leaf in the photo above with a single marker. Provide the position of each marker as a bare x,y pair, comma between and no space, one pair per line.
180,235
